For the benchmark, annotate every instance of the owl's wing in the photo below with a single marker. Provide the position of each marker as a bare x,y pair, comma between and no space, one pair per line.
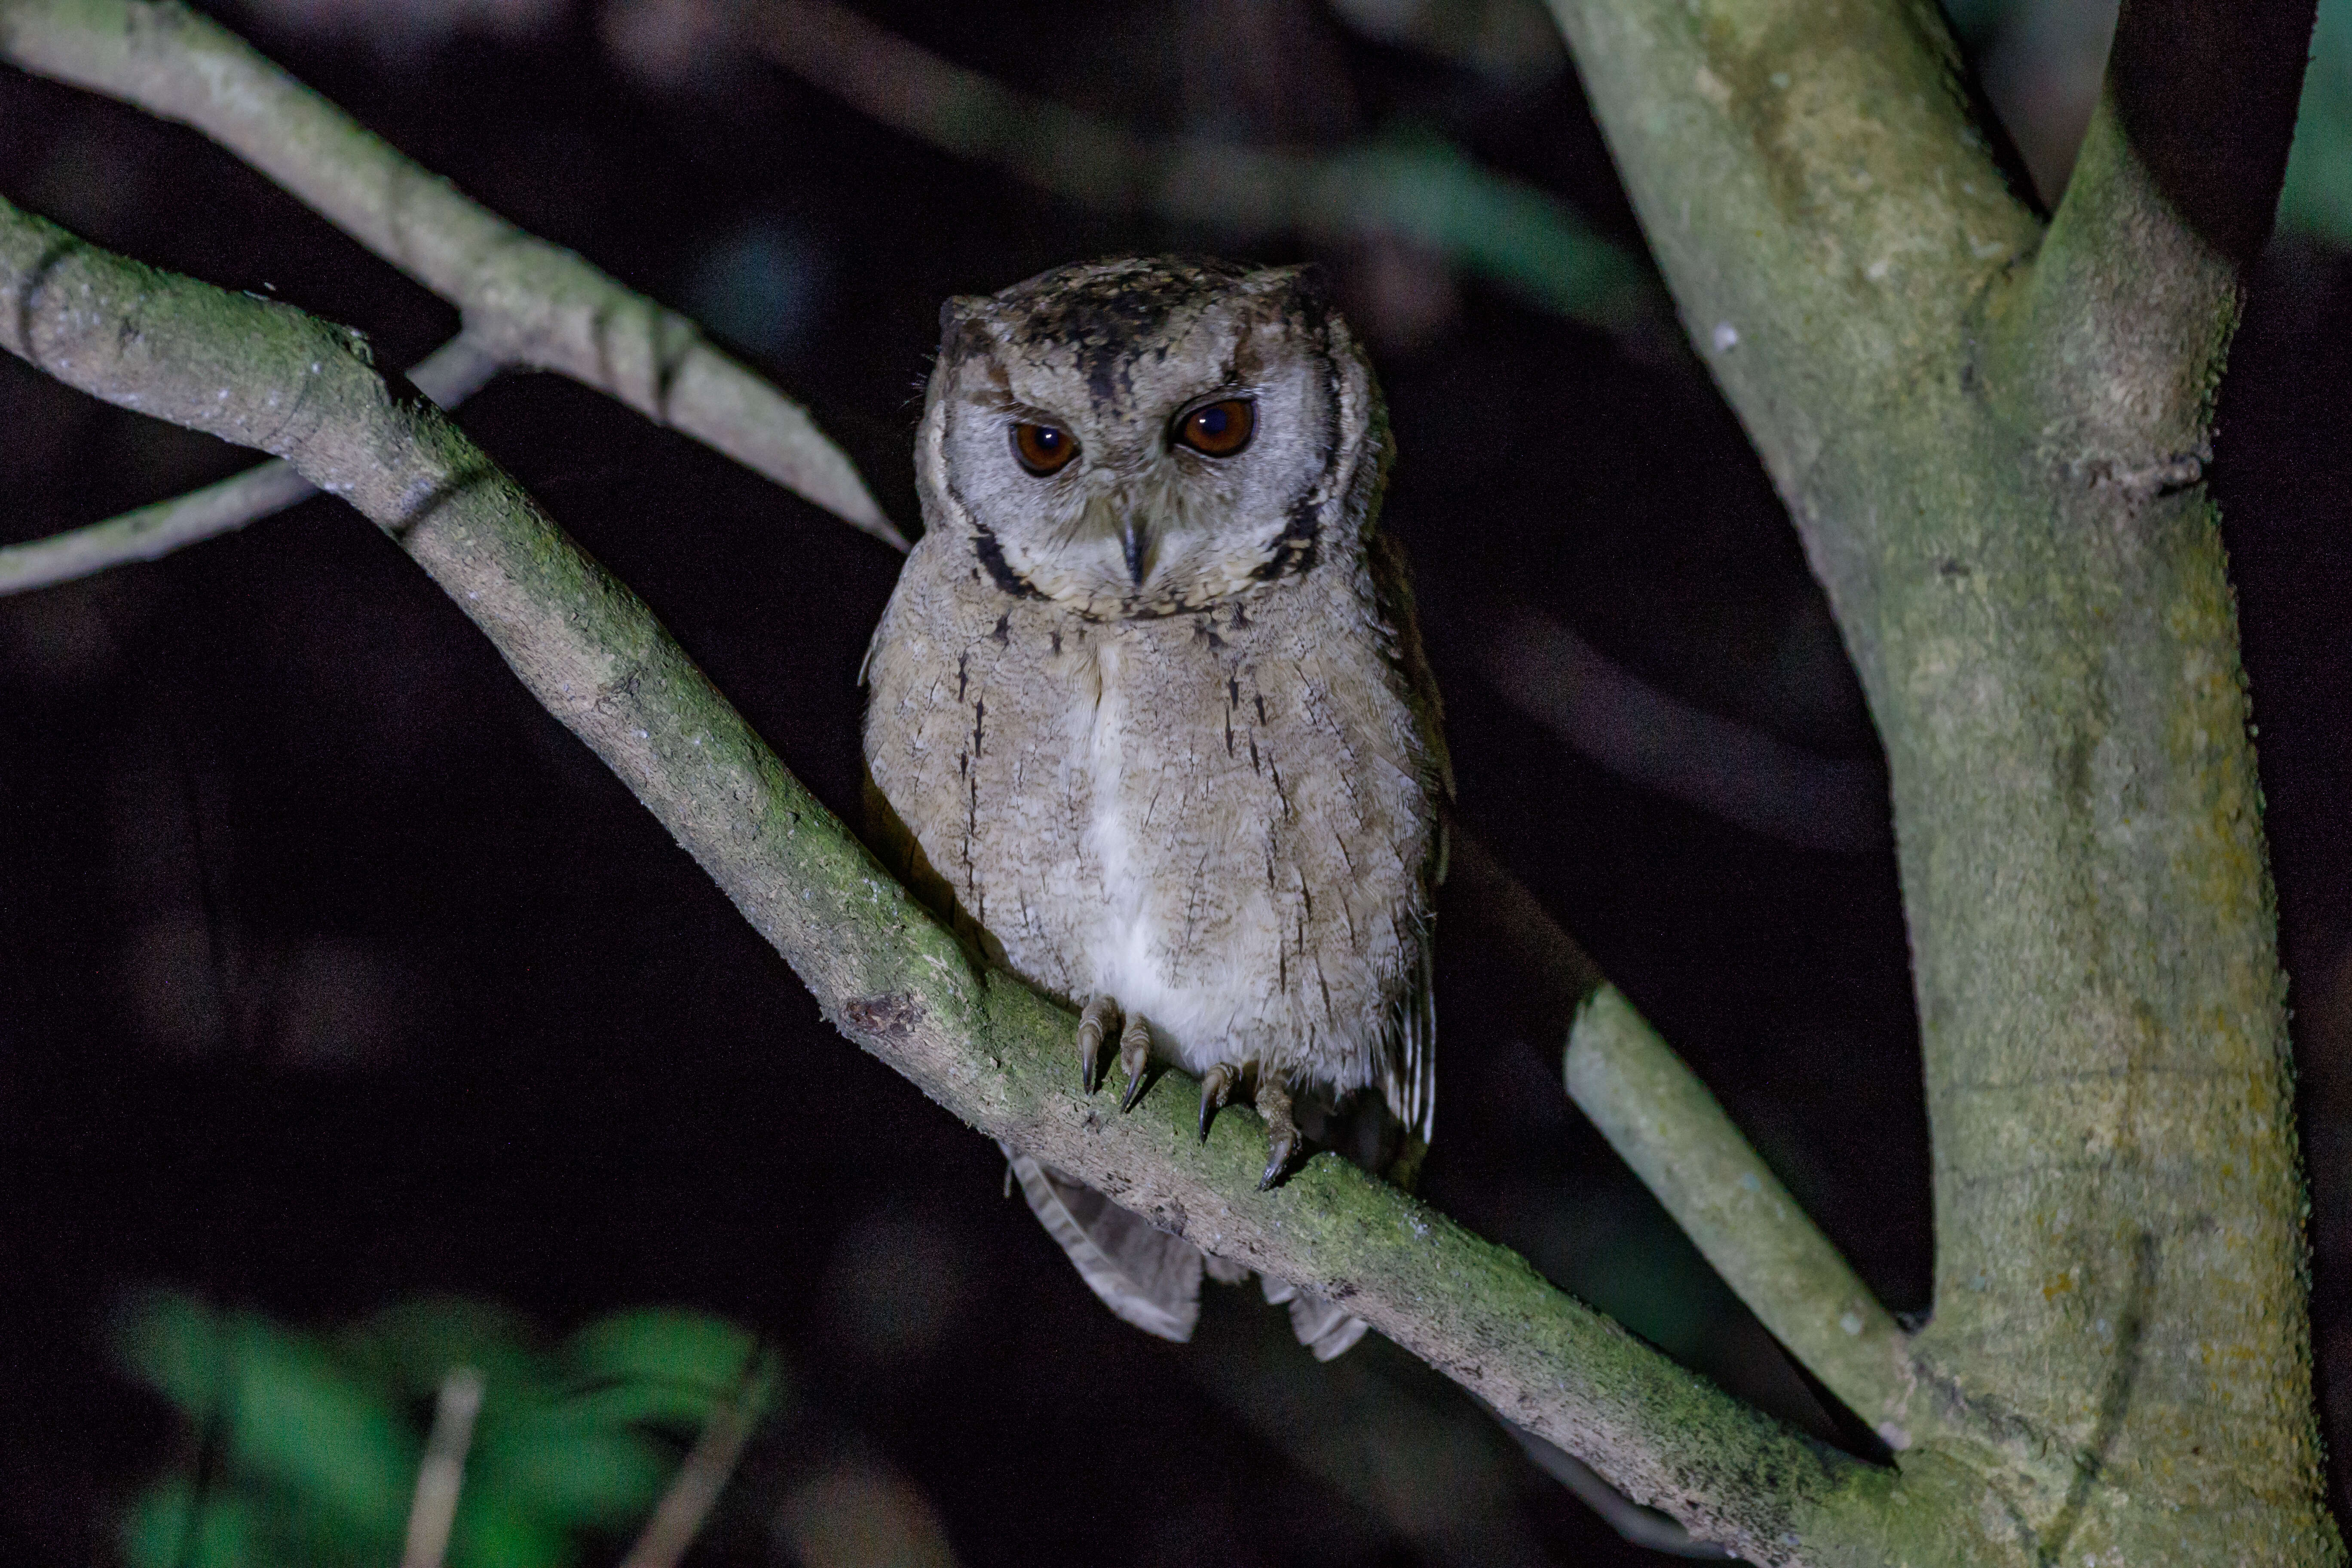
1410,1086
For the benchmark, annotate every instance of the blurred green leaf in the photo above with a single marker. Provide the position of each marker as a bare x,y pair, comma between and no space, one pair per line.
1429,190
158,1531
172,1344
298,1419
319,1436
2317,199
664,1344
579,1479
493,1529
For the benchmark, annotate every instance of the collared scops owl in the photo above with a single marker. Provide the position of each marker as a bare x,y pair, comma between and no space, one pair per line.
1149,707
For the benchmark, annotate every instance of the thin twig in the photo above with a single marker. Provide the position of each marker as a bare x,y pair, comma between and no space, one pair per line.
448,375
1426,191
679,1517
529,302
1661,1119
1638,732
443,1471
879,966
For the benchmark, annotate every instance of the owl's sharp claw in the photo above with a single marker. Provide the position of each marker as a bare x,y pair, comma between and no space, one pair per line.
1282,1139
1135,1057
1091,1024
1216,1088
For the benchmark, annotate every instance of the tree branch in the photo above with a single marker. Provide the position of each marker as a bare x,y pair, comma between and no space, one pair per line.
1509,231
2115,338
448,375
1658,1116
983,1045
527,301
1991,447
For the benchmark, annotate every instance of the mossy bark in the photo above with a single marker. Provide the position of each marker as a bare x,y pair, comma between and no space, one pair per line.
1992,438
884,972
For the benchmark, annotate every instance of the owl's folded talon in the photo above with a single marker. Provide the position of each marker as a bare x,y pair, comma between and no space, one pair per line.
1282,1138
1216,1088
1091,1024
1135,1058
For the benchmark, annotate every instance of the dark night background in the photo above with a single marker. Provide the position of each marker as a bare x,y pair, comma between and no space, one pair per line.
341,974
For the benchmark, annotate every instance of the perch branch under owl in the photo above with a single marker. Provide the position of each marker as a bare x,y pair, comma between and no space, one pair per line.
525,301
262,373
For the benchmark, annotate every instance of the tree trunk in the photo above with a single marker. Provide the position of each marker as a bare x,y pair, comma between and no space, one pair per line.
1991,434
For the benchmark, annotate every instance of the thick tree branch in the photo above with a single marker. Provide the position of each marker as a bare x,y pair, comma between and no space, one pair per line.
448,375
1992,447
529,302
881,969
1509,232
1813,188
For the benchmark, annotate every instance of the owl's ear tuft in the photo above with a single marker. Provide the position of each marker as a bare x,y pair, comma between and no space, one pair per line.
957,310
1308,283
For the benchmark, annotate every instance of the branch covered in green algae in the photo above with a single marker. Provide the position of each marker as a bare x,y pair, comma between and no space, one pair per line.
529,302
448,375
1427,192
1657,1115
1990,442
989,1050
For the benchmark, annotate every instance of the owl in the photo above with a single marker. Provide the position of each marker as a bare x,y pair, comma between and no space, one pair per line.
1149,718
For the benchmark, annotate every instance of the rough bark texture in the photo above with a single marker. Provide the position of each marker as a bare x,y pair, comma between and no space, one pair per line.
525,301
1992,438
994,1053
1657,1115
1991,434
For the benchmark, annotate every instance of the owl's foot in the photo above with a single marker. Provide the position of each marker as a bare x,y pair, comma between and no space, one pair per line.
1216,1088
1092,1023
1135,1055
1282,1139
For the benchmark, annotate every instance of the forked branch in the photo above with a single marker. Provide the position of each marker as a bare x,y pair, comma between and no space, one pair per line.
448,375
986,1048
527,301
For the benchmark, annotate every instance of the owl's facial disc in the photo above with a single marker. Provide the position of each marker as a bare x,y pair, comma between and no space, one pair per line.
1142,464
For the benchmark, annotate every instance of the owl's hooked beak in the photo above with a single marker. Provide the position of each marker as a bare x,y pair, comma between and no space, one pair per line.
1135,542
1118,513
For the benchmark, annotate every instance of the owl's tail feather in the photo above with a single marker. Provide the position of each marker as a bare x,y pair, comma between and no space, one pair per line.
1147,1277
1150,1278
1321,1327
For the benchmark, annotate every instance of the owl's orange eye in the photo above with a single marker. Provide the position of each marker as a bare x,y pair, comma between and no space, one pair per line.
1043,448
1220,429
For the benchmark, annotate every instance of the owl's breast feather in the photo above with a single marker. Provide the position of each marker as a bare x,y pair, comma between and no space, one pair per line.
1200,817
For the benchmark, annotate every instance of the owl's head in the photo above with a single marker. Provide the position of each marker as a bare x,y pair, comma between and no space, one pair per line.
1141,436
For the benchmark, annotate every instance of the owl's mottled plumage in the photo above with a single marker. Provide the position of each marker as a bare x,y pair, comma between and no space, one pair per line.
1158,721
